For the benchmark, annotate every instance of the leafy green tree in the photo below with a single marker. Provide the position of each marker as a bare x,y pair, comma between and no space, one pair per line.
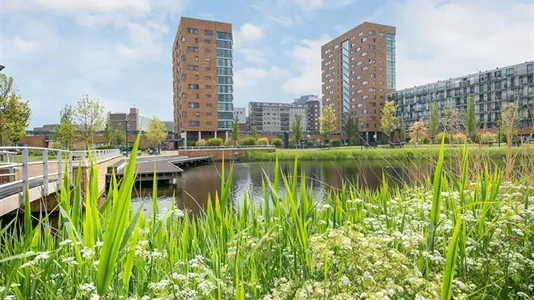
418,131
433,122
296,127
351,129
328,122
509,122
254,130
450,120
470,121
119,135
156,132
389,121
403,131
66,131
235,130
14,112
89,118
108,129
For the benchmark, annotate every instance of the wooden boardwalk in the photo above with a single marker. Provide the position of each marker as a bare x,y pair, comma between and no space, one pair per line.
166,167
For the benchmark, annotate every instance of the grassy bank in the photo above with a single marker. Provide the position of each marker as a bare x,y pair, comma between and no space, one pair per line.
470,239
348,153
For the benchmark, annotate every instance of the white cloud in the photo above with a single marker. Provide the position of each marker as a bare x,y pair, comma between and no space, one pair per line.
320,4
248,33
253,55
306,58
25,46
285,20
250,77
94,5
287,39
446,40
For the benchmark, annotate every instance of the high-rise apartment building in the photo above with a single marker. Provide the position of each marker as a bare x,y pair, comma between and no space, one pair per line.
275,117
202,79
492,90
358,69
305,98
313,113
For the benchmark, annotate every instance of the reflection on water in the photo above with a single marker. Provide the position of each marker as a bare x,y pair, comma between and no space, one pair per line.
192,190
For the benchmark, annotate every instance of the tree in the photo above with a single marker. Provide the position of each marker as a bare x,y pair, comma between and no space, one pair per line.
389,121
328,122
235,130
118,136
156,132
418,131
434,120
89,118
108,128
66,131
509,122
296,127
14,112
351,129
470,121
403,131
254,130
450,120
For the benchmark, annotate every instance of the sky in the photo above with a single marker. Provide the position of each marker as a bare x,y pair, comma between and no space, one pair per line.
119,51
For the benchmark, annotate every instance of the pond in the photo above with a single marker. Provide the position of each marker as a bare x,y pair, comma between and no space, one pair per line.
193,188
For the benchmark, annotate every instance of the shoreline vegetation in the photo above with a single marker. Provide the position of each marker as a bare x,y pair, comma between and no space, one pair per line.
350,153
459,235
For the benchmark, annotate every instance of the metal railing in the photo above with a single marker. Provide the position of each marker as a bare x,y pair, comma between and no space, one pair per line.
21,173
226,147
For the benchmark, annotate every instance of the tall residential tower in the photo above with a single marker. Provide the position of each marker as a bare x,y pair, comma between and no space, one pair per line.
358,69
202,79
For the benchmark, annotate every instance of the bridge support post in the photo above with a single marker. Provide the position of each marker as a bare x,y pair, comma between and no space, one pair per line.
45,173
25,174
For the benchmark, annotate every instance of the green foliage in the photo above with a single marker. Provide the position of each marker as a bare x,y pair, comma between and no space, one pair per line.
488,137
66,131
328,122
214,142
418,131
229,142
250,141
263,141
475,137
433,122
277,142
235,129
442,135
119,135
470,121
296,127
459,138
108,128
254,130
351,129
389,121
191,143
335,142
156,132
309,143
200,142
89,118
14,112
509,122
450,120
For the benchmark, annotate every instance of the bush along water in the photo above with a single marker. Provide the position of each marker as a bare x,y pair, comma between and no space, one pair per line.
452,239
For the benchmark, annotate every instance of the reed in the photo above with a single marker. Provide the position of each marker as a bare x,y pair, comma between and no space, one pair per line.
459,236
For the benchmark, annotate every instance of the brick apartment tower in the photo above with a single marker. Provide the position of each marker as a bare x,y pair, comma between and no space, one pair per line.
202,79
358,70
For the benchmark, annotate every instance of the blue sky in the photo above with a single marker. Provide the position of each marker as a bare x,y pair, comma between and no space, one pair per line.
119,51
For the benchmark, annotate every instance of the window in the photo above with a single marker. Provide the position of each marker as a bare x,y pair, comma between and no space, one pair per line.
192,86
183,39
192,68
365,68
192,49
372,61
365,111
183,57
208,32
360,34
371,32
208,104
184,114
359,105
359,91
359,63
365,97
192,30
197,96
372,90
207,78
365,82
207,59
194,123
208,87
530,68
224,36
193,104
208,123
208,96
364,53
208,114
372,75
364,39
196,40
184,76
381,34
372,47
197,114
510,71
372,104
207,41
184,95
358,49
196,58
207,68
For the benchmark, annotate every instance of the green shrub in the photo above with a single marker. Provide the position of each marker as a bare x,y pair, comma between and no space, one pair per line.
263,141
335,142
475,137
439,137
229,142
214,142
309,143
191,143
277,142
250,141
201,142
318,142
459,138
488,137
104,147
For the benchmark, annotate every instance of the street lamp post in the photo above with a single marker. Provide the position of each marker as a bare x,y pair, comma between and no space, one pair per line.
126,129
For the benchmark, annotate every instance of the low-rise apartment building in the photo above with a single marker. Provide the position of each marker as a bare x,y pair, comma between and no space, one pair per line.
276,117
